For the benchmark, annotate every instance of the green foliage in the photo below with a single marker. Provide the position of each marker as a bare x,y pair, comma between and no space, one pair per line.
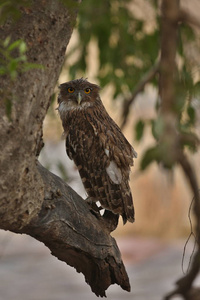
161,154
122,43
157,128
186,93
13,60
196,90
10,63
152,154
126,52
13,57
11,9
139,130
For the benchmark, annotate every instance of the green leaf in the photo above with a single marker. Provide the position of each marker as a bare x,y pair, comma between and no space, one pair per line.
12,9
151,155
196,90
139,130
157,127
22,47
6,42
14,45
191,114
11,64
2,70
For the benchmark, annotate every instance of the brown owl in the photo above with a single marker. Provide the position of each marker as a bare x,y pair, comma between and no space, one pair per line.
97,146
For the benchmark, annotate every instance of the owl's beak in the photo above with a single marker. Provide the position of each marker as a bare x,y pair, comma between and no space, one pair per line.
79,98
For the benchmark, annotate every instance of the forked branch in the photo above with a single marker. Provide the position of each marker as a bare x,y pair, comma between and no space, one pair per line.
189,18
74,235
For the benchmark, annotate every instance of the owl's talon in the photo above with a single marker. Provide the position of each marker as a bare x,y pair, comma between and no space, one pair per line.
95,213
110,220
93,208
50,206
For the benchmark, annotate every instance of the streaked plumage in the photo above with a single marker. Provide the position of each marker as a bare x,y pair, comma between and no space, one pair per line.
96,144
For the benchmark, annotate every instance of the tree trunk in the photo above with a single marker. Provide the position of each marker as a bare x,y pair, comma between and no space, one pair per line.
33,200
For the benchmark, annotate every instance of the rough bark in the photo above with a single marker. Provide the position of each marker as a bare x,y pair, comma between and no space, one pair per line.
33,200
76,236
46,28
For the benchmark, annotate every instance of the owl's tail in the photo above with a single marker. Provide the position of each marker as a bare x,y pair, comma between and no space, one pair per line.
128,216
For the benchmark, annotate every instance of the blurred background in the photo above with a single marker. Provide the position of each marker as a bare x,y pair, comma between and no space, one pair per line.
115,44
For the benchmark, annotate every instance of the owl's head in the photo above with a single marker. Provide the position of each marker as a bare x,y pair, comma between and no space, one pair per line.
77,94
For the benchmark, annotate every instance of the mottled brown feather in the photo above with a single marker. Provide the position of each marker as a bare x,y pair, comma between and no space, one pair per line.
94,141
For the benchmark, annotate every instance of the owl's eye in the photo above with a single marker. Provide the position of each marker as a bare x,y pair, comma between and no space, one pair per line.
70,90
87,90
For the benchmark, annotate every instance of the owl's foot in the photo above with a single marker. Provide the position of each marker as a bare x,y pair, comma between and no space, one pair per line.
95,210
110,220
50,206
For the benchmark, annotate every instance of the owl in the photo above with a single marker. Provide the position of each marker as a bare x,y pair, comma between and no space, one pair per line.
97,146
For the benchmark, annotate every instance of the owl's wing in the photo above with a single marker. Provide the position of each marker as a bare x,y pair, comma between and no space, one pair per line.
116,145
103,157
119,155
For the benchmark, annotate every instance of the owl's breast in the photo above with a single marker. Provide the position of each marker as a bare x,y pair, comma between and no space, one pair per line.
82,138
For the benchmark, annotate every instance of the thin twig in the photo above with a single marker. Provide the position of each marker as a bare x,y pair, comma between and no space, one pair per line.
184,284
139,88
168,68
187,241
191,176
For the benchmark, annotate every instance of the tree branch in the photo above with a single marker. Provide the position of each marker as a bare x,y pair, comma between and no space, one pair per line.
46,29
139,88
169,27
184,284
170,13
189,18
74,235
